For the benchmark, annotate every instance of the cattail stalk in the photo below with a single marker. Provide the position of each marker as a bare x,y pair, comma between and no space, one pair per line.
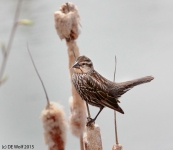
115,122
53,119
10,42
77,117
116,146
66,24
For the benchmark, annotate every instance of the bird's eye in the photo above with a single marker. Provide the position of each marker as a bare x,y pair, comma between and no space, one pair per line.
83,64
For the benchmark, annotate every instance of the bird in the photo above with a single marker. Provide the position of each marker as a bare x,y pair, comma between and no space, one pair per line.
98,91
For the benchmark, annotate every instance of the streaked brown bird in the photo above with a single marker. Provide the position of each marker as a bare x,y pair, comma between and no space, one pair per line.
97,90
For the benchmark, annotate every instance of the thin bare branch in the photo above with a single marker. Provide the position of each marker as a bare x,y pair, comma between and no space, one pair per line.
12,34
48,103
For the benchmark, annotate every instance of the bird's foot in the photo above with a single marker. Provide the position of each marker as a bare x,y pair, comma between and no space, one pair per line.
90,121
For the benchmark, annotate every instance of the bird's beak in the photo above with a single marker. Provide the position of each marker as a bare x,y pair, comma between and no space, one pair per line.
76,65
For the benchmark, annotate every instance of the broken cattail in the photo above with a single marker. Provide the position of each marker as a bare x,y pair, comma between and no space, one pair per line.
54,124
67,21
117,147
92,138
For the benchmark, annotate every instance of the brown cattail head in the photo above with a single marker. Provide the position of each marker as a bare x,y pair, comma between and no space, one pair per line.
77,119
55,127
66,21
92,138
117,147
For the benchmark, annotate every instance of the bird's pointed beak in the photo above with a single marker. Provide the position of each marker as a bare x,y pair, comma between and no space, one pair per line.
76,65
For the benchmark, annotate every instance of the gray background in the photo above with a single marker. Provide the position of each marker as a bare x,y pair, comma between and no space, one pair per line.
139,33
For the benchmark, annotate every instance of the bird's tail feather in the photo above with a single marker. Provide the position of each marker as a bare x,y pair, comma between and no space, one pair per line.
119,109
123,87
132,83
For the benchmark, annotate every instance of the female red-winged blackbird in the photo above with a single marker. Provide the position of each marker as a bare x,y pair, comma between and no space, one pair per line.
97,90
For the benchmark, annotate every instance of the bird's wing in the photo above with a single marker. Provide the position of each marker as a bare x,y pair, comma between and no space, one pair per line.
100,93
94,88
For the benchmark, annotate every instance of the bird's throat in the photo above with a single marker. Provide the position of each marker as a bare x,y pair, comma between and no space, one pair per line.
76,70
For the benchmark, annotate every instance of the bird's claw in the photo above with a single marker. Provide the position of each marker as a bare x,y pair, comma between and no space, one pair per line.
90,121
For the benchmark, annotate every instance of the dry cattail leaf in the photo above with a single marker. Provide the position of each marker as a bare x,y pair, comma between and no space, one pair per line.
55,127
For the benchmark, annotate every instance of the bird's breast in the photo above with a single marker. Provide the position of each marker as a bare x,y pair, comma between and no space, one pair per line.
77,79
78,82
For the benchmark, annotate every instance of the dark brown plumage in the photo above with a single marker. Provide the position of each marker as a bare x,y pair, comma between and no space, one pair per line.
97,90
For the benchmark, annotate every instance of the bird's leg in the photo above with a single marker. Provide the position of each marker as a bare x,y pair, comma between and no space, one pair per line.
90,120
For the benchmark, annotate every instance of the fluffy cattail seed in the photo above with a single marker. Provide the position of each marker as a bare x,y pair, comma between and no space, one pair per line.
117,147
77,119
92,138
55,127
67,21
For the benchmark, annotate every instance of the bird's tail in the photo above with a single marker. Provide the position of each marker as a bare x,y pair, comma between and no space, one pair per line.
132,83
126,86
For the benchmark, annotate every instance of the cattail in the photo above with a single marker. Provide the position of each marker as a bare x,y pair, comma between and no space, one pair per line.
66,24
77,117
66,21
53,118
54,125
92,138
117,147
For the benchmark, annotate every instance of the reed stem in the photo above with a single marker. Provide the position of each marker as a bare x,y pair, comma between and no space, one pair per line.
116,133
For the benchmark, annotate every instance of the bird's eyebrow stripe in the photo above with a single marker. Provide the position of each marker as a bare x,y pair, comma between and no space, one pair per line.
87,62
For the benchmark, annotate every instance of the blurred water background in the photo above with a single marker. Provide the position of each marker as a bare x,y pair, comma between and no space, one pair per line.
139,33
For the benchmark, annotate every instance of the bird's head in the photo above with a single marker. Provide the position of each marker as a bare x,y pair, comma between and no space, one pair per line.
83,65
